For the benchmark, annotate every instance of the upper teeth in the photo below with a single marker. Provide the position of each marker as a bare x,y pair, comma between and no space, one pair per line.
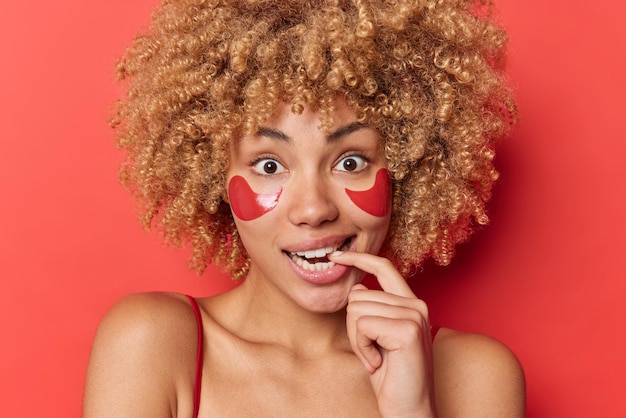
320,252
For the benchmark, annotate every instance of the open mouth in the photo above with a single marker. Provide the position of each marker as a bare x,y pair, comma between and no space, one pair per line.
317,259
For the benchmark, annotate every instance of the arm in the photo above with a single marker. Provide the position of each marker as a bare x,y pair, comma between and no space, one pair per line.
143,349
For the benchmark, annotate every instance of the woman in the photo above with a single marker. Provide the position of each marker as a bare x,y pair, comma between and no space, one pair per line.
299,145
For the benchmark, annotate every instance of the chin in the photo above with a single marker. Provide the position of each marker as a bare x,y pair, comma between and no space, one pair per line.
328,301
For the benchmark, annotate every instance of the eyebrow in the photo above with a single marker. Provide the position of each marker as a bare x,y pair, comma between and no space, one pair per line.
273,133
332,137
344,131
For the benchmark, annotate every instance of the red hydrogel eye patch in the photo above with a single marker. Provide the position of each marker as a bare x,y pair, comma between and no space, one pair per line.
246,204
374,201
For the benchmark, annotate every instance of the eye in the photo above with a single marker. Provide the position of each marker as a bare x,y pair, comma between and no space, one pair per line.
351,163
268,166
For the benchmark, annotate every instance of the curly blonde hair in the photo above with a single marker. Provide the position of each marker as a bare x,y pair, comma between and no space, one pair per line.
426,73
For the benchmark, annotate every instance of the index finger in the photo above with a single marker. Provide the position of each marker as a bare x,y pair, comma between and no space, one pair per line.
385,272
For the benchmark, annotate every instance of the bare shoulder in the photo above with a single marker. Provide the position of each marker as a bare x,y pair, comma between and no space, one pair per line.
476,376
143,357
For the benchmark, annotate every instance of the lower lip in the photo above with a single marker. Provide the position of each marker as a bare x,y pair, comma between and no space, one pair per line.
323,277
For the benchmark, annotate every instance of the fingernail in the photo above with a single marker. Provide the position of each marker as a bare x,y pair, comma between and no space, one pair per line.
336,253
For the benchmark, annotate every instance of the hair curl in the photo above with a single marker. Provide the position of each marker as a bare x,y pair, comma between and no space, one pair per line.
426,73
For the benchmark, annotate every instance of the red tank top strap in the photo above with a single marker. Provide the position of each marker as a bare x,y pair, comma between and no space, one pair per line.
198,379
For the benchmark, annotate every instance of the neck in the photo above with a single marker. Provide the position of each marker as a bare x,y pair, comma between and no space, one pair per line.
260,314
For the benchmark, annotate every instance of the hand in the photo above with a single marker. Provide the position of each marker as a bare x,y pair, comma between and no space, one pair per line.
389,332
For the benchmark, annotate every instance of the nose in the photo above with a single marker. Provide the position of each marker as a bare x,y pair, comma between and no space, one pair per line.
310,202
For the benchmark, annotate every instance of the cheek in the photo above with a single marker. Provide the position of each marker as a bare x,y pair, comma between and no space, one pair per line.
375,201
246,204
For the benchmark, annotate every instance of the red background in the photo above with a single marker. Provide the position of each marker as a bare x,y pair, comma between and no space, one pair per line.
547,277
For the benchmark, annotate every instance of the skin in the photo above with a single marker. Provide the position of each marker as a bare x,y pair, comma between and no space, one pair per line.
280,345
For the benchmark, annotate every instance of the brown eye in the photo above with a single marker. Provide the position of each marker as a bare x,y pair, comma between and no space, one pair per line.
268,166
351,163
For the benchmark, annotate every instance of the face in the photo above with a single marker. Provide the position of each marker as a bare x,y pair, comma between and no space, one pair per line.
298,193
